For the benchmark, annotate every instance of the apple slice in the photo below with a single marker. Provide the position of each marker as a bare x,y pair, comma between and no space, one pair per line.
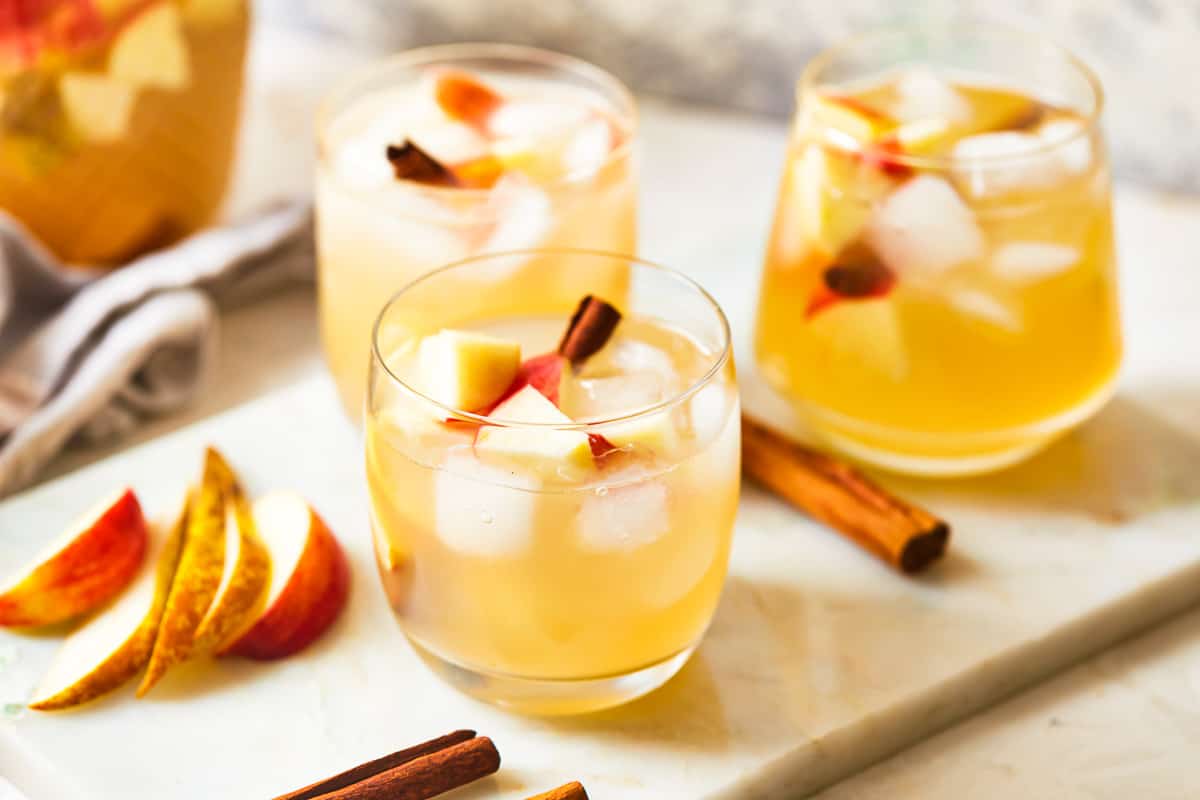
310,579
247,568
467,370
112,646
98,107
198,577
89,564
151,50
544,451
852,117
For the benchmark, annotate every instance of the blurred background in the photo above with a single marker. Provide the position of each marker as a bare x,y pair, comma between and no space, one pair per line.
747,53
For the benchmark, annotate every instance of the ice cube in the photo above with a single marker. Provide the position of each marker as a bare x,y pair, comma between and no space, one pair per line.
1020,162
448,141
623,355
1074,151
922,94
524,214
616,395
587,146
708,412
624,518
923,229
1027,262
361,163
986,307
535,119
98,107
481,510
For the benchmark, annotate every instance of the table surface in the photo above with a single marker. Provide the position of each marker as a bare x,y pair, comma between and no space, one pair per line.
1072,735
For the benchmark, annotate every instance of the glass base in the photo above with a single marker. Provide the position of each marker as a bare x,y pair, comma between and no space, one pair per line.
553,697
948,455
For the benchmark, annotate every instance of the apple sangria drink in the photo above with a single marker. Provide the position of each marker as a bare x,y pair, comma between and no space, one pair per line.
452,151
553,495
939,291
117,120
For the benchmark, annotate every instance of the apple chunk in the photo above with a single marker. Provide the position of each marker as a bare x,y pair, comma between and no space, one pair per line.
310,579
466,370
112,646
85,567
544,450
151,50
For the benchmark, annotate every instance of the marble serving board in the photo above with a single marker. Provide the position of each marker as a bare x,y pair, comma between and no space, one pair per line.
819,662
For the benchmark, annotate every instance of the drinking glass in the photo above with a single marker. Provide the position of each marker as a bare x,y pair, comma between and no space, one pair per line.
376,233
939,294
545,586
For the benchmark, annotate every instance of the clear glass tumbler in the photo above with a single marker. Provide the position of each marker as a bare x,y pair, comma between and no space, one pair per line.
578,565
548,165
939,294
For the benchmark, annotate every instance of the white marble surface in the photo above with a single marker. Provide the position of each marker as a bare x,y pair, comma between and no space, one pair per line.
820,660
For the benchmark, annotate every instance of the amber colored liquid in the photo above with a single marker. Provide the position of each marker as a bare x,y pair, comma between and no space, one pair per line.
968,364
102,202
588,577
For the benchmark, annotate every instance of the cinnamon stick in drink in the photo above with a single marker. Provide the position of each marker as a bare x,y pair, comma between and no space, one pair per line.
906,536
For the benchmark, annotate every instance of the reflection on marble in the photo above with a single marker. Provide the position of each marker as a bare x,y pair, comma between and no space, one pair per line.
746,53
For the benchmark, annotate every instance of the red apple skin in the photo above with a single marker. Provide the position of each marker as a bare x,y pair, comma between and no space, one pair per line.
312,599
87,572
543,373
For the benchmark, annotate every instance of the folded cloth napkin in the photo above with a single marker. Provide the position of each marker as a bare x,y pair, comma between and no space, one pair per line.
86,353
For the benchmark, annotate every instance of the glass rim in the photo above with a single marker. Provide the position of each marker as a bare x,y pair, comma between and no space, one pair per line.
719,360
430,55
810,83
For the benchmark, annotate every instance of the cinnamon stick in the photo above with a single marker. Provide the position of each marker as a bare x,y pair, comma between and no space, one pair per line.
590,328
906,536
411,163
568,791
418,773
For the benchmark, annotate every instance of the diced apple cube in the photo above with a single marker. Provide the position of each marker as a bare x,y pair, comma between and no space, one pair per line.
465,370
624,518
827,199
1028,262
924,229
864,335
98,107
856,120
483,510
151,51
924,136
548,452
